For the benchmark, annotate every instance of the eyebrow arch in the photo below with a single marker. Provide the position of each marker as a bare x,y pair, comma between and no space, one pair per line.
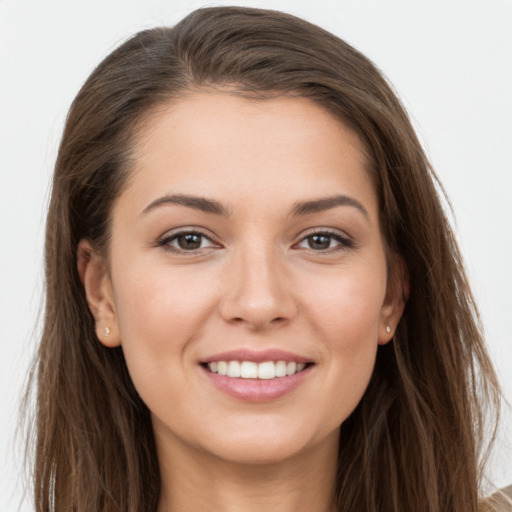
199,203
326,203
215,207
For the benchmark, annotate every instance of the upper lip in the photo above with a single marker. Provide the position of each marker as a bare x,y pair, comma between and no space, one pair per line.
257,356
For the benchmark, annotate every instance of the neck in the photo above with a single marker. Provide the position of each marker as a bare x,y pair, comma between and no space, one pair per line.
194,480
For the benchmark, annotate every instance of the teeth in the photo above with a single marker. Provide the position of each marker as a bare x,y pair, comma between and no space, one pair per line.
267,370
251,370
233,369
222,367
281,369
291,368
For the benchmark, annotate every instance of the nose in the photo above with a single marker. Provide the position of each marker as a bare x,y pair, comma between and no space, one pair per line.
258,290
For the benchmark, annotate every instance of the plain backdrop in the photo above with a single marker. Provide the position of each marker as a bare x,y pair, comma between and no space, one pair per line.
450,62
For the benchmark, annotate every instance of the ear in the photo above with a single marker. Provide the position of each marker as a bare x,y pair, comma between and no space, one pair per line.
94,275
397,294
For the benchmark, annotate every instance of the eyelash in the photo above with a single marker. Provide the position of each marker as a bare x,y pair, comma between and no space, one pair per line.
344,242
166,241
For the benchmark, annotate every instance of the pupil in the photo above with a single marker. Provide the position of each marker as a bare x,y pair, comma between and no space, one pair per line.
319,241
190,241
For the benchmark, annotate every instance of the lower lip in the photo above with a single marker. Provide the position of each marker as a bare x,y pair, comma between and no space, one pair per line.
257,390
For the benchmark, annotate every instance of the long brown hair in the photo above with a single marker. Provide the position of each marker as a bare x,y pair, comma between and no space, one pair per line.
416,440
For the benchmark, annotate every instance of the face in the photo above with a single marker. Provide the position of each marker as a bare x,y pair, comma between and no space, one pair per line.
247,280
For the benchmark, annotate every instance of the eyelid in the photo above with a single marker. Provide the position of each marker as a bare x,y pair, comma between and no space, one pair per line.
163,241
345,241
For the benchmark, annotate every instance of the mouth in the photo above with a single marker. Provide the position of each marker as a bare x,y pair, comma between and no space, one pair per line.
265,370
257,376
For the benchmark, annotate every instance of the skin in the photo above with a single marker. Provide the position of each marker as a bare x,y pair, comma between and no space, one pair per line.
256,282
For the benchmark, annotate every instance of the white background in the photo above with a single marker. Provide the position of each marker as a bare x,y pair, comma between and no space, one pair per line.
450,61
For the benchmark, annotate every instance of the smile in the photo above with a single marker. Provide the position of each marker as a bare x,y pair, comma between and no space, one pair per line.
251,370
257,375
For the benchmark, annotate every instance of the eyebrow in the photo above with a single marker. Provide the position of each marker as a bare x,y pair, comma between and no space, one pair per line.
196,202
300,208
326,203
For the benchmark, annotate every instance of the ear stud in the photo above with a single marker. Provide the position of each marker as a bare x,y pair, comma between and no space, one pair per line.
388,329
107,331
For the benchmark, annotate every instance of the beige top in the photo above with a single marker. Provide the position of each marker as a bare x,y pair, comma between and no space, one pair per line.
500,501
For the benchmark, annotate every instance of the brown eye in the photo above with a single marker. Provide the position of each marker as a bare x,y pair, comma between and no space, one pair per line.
325,242
319,242
186,241
190,241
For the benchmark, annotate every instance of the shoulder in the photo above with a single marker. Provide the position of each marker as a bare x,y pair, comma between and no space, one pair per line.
500,501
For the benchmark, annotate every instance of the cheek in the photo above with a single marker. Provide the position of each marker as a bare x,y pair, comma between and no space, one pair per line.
350,328
160,302
346,317
346,307
160,311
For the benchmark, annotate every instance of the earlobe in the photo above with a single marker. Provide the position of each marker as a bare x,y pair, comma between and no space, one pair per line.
394,304
98,291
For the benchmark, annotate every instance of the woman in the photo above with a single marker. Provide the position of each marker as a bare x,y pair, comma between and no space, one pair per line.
254,298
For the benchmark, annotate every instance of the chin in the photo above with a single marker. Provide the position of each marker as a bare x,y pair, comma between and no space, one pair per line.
268,445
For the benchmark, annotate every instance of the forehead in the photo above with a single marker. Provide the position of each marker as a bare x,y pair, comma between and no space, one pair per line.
221,144
282,119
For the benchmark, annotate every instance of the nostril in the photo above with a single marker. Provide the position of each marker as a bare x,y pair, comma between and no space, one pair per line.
257,312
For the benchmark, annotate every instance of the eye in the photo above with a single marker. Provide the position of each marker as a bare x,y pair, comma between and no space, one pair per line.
325,242
186,241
